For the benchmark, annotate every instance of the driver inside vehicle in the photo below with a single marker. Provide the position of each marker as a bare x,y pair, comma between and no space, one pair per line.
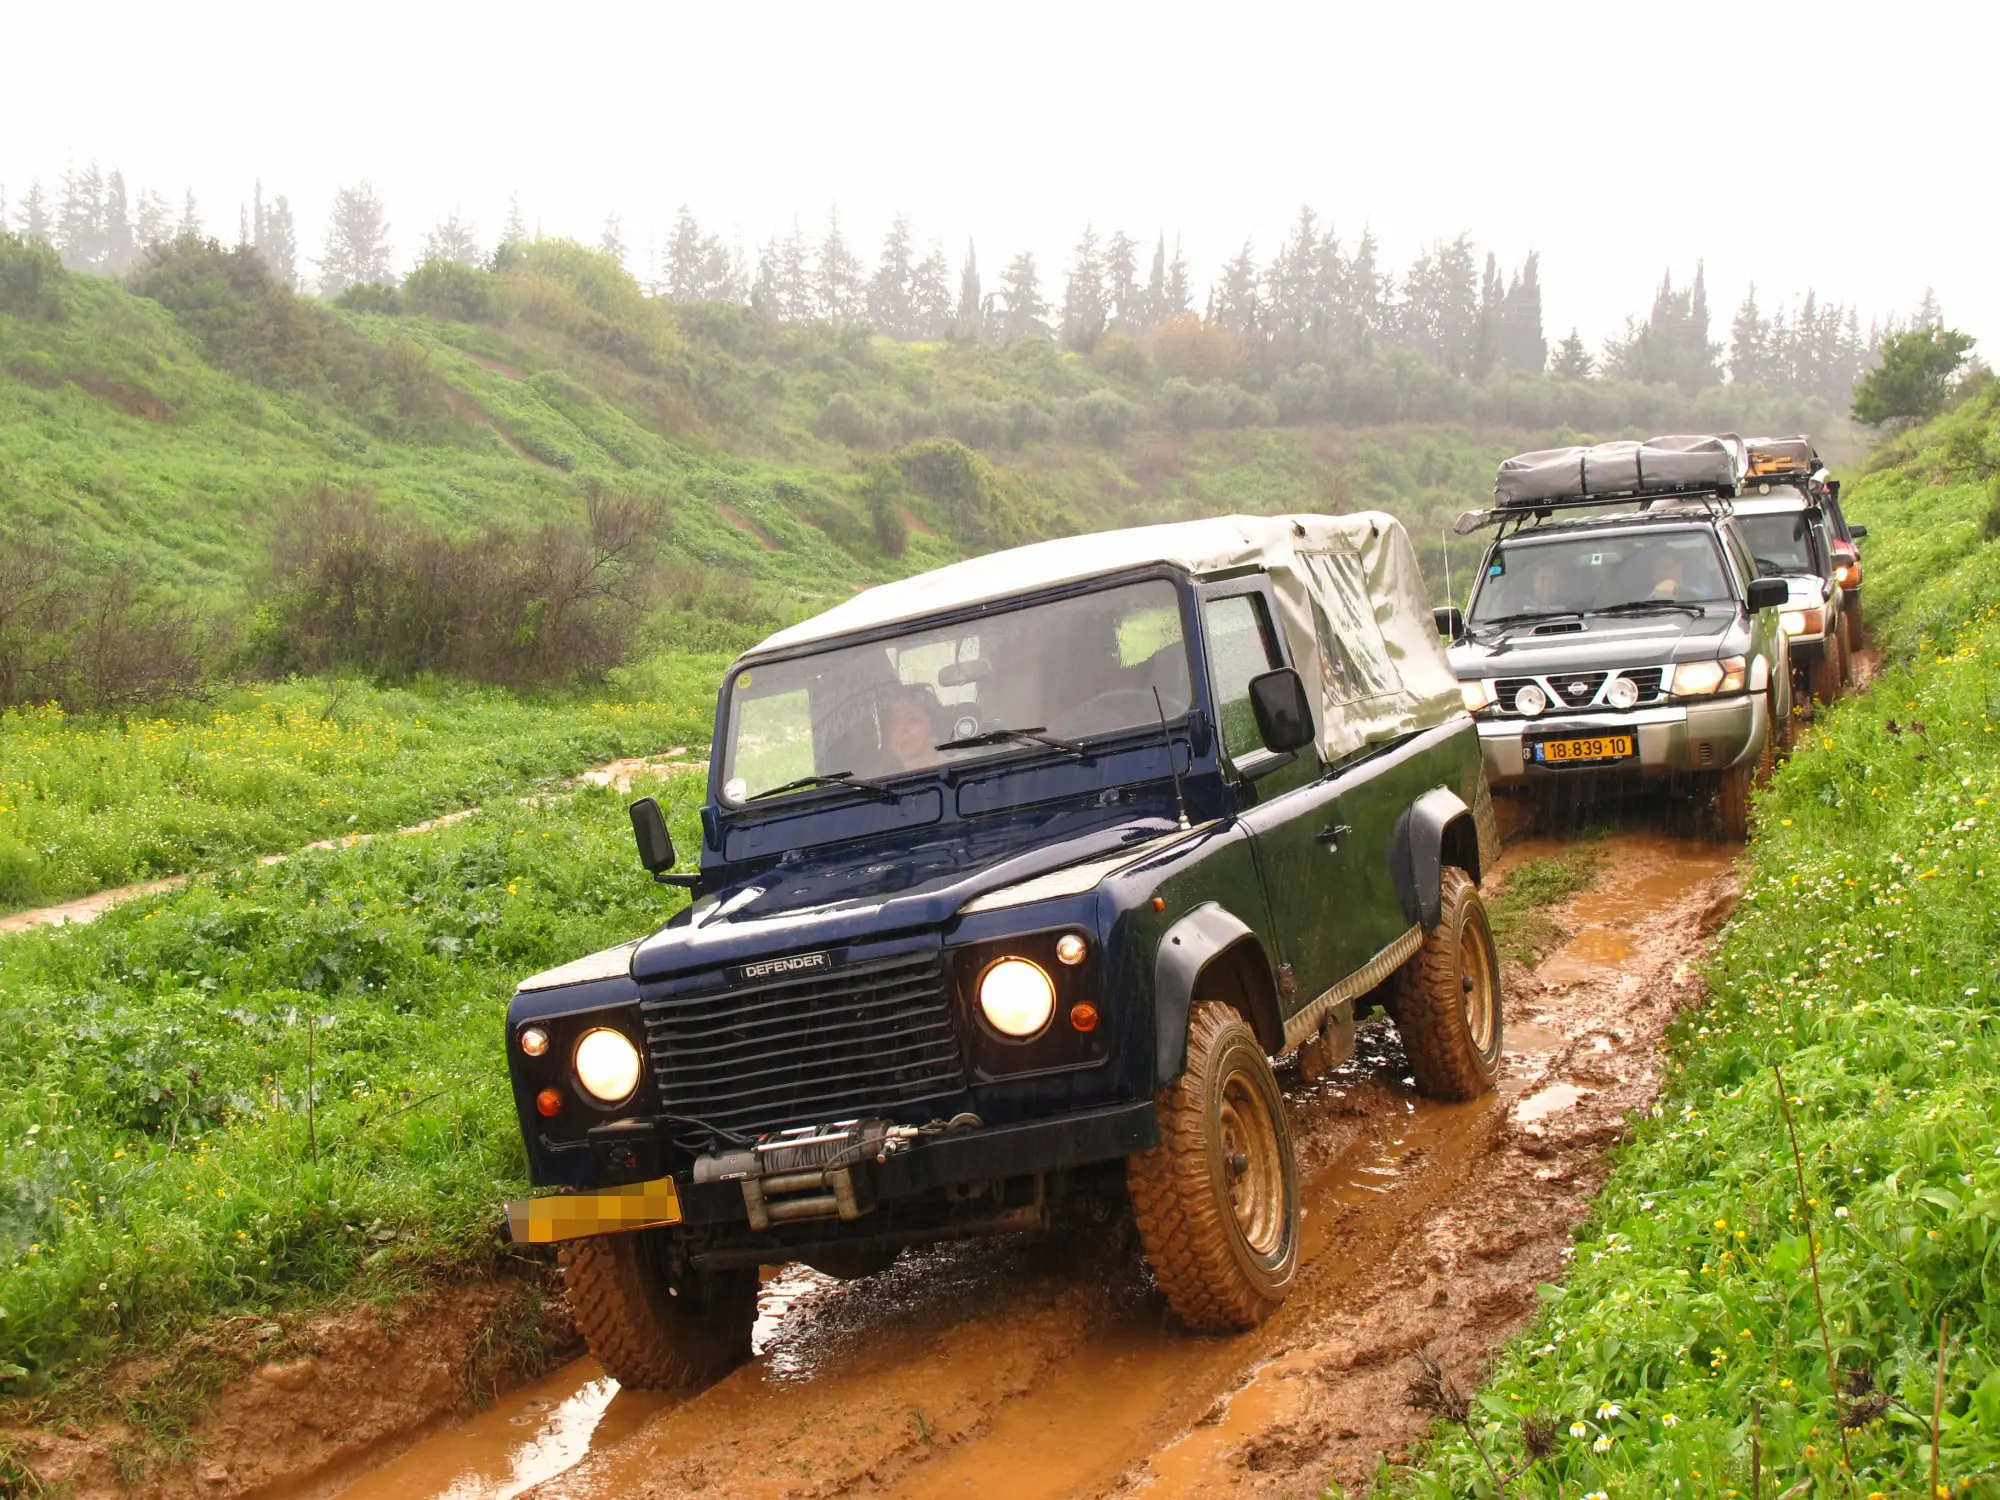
909,734
1669,577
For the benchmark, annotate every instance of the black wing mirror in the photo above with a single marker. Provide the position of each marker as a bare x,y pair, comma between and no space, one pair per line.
1857,532
1768,593
1450,623
656,845
1284,717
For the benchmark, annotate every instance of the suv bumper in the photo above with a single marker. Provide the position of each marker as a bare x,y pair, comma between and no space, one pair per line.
987,1153
1678,739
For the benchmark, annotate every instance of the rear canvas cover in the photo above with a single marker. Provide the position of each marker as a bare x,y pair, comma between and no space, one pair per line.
1660,465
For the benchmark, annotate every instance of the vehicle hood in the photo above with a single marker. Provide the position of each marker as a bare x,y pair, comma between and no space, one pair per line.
844,895
1603,643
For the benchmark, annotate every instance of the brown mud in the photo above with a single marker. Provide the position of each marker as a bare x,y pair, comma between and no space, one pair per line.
1030,1368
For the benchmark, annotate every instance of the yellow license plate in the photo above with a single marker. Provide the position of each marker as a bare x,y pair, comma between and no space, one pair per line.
573,1216
1585,747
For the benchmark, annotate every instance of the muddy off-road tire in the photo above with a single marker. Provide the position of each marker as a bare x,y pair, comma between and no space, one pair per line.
1448,997
1734,786
1217,1200
1829,671
647,1331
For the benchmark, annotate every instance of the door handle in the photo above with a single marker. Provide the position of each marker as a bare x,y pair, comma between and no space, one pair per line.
1332,834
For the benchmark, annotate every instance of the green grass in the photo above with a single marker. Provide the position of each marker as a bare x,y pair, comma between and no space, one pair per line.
166,1072
87,803
1862,963
1522,926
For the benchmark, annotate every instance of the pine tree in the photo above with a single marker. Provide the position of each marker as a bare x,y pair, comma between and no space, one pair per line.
970,309
1929,314
1672,345
1292,283
118,248
357,242
279,244
1153,307
1523,346
930,298
837,285
1234,302
155,225
1083,309
189,227
1178,294
1573,361
1121,282
1748,339
79,228
1022,310
610,241
892,290
454,240
35,226
515,230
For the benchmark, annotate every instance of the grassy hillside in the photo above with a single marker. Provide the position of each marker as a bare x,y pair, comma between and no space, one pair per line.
1861,963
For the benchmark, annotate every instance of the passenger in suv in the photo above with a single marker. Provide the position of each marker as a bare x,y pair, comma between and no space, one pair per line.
1014,877
1620,644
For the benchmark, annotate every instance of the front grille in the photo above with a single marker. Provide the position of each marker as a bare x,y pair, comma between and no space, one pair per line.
1577,688
1647,680
1507,689
869,1038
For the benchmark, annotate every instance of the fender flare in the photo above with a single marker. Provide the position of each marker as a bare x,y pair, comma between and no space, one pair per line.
1186,948
1421,834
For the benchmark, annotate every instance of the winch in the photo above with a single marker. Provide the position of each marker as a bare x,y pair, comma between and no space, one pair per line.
812,1172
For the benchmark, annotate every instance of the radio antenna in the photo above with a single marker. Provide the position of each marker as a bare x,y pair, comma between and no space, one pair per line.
1180,799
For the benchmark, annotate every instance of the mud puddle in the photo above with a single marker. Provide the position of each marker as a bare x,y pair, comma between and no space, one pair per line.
1030,1368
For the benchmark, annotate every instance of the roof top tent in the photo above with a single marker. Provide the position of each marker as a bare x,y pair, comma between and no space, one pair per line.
1624,469
1350,598
1790,457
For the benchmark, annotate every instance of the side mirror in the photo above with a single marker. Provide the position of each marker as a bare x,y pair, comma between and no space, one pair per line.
1857,532
1768,593
1450,623
656,845
1833,489
1284,717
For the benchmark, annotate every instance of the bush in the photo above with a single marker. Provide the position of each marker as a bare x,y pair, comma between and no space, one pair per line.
882,493
977,503
845,420
1188,406
1117,354
1103,417
369,297
1186,347
446,290
29,277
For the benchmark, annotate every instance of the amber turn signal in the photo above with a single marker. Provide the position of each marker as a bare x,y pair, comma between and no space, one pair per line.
1083,1016
1159,903
548,1102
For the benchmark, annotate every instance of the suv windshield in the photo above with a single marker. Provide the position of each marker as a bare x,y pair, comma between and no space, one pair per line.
1577,575
1069,669
1781,542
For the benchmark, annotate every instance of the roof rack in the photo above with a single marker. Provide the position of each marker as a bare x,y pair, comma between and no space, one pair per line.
1773,458
1716,502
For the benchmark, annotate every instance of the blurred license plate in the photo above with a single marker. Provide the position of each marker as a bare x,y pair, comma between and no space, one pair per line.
1574,749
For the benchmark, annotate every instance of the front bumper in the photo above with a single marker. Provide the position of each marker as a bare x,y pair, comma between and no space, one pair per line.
1676,739
853,1188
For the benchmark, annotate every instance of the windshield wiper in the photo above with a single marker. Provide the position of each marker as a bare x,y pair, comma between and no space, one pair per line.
845,779
1647,606
1030,736
1532,614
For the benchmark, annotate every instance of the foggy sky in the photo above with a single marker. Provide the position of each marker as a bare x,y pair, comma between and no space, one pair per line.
1799,144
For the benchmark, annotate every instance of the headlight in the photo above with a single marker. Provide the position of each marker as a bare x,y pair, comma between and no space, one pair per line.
1694,679
1475,694
534,1041
1531,700
1017,997
1802,621
607,1065
1622,693
1841,574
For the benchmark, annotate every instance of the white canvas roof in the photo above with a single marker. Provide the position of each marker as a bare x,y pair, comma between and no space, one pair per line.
1382,673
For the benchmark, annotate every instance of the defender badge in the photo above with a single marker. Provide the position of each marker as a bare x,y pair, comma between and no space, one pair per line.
796,963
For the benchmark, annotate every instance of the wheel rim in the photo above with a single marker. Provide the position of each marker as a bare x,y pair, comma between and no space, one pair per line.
1252,1163
1477,980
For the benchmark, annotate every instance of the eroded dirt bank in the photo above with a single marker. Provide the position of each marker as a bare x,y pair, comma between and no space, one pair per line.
1031,1369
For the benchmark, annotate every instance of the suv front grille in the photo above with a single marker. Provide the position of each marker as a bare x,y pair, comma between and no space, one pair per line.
1577,689
868,1038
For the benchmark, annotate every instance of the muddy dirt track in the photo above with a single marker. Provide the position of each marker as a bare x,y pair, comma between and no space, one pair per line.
1031,1369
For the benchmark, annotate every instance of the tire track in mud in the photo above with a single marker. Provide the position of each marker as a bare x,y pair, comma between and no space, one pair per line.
1053,1368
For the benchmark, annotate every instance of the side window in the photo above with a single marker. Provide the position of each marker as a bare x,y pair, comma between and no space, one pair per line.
1746,565
1354,660
1240,647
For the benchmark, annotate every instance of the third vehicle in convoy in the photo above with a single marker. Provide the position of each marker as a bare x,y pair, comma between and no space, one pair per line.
1621,629
1014,877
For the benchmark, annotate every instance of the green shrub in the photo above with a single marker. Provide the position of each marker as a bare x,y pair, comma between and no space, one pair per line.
30,276
447,290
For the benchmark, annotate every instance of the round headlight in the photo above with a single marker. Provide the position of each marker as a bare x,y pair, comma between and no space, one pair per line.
1792,621
607,1065
534,1041
1071,949
1622,693
1531,700
1017,997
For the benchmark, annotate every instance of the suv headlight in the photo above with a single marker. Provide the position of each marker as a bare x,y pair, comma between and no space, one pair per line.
1017,997
1476,693
1695,679
1802,621
607,1065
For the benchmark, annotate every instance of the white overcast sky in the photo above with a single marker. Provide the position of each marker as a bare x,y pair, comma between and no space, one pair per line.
1830,145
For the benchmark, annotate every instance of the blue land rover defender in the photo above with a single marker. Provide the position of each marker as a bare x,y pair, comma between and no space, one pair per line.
1014,877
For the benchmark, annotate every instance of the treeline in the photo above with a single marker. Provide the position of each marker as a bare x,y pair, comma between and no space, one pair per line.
1315,295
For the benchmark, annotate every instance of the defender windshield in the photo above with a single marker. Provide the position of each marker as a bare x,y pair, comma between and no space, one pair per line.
1781,542
1578,575
1066,670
